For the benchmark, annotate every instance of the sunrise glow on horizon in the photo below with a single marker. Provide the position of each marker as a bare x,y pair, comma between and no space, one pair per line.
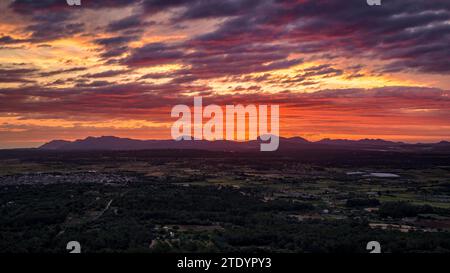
338,69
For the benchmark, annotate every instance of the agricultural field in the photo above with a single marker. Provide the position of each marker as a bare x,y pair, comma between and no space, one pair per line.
197,201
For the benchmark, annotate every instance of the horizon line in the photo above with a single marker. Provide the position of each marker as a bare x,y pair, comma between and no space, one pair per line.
39,144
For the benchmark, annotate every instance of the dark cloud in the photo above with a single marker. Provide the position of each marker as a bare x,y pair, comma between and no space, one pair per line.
137,100
49,31
115,46
14,80
154,76
310,75
154,6
62,71
215,9
201,62
397,31
110,52
48,26
106,74
134,100
55,19
129,23
201,9
153,54
324,70
10,40
94,84
17,75
408,35
114,41
29,6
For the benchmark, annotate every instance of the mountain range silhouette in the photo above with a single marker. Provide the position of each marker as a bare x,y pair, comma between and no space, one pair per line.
293,143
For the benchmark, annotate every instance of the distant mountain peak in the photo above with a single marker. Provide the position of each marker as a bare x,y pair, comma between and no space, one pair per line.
297,139
365,141
443,143
291,143
55,144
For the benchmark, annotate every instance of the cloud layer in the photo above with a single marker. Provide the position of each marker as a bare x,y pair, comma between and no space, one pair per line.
337,68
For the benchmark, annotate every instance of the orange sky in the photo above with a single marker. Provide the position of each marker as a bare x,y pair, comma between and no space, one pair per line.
337,70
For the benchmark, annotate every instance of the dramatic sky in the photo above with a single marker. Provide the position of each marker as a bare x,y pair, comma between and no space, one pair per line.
338,69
